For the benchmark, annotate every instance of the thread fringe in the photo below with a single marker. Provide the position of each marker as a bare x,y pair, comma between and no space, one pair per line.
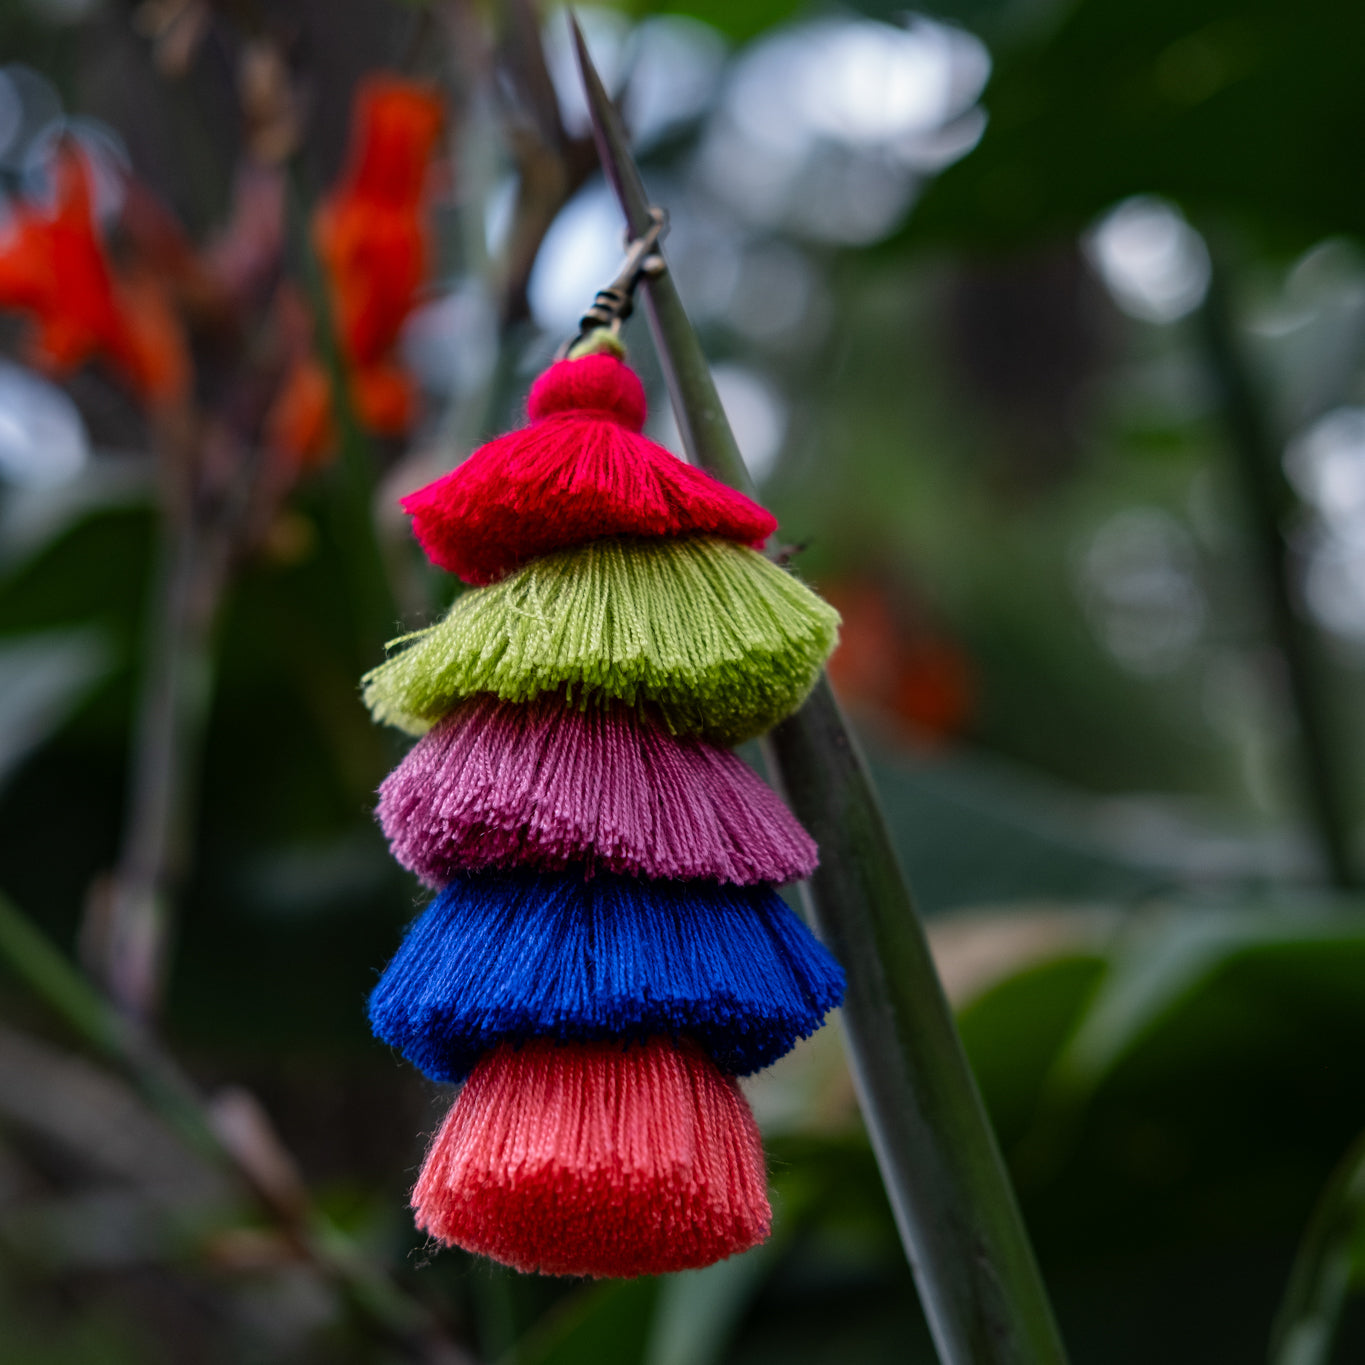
510,955
722,641
594,1159
581,471
545,785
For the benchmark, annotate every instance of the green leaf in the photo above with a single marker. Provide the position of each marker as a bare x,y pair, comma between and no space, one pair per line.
699,1310
974,831
1326,1267
1183,1075
1169,955
1242,112
1015,1030
602,1324
32,518
42,680
736,20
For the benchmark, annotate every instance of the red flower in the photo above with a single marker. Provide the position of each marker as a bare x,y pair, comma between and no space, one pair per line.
53,267
372,235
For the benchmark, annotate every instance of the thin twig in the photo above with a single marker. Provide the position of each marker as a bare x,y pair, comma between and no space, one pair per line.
552,164
128,921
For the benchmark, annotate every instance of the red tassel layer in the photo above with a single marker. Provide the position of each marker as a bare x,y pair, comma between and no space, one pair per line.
597,1159
581,471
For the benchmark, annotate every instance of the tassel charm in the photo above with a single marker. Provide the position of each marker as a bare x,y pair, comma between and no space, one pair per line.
606,952
720,640
521,955
547,785
580,471
597,1159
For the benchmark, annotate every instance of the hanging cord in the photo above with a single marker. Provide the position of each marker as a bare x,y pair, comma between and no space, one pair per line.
600,327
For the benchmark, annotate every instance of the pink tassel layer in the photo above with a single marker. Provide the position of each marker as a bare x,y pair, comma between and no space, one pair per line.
597,1159
545,785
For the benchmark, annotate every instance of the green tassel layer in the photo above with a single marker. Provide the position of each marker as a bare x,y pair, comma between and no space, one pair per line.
721,640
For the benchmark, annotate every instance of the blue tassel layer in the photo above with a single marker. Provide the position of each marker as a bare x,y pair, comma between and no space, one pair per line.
519,955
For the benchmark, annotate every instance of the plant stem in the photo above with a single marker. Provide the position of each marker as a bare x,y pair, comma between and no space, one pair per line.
982,1293
126,931
965,1239
1269,501
173,710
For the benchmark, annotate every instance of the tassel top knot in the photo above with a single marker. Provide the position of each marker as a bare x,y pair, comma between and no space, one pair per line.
599,385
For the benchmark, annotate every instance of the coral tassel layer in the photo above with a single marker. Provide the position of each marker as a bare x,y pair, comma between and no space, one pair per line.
595,1159
545,785
514,956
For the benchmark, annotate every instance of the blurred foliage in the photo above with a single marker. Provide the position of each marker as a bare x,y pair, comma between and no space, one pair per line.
1163,1008
1241,112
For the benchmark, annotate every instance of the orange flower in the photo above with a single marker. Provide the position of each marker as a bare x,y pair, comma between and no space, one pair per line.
299,423
53,267
896,664
372,236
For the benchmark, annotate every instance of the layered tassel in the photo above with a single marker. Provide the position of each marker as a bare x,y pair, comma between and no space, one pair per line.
606,952
580,471
597,1159
546,785
720,640
524,955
